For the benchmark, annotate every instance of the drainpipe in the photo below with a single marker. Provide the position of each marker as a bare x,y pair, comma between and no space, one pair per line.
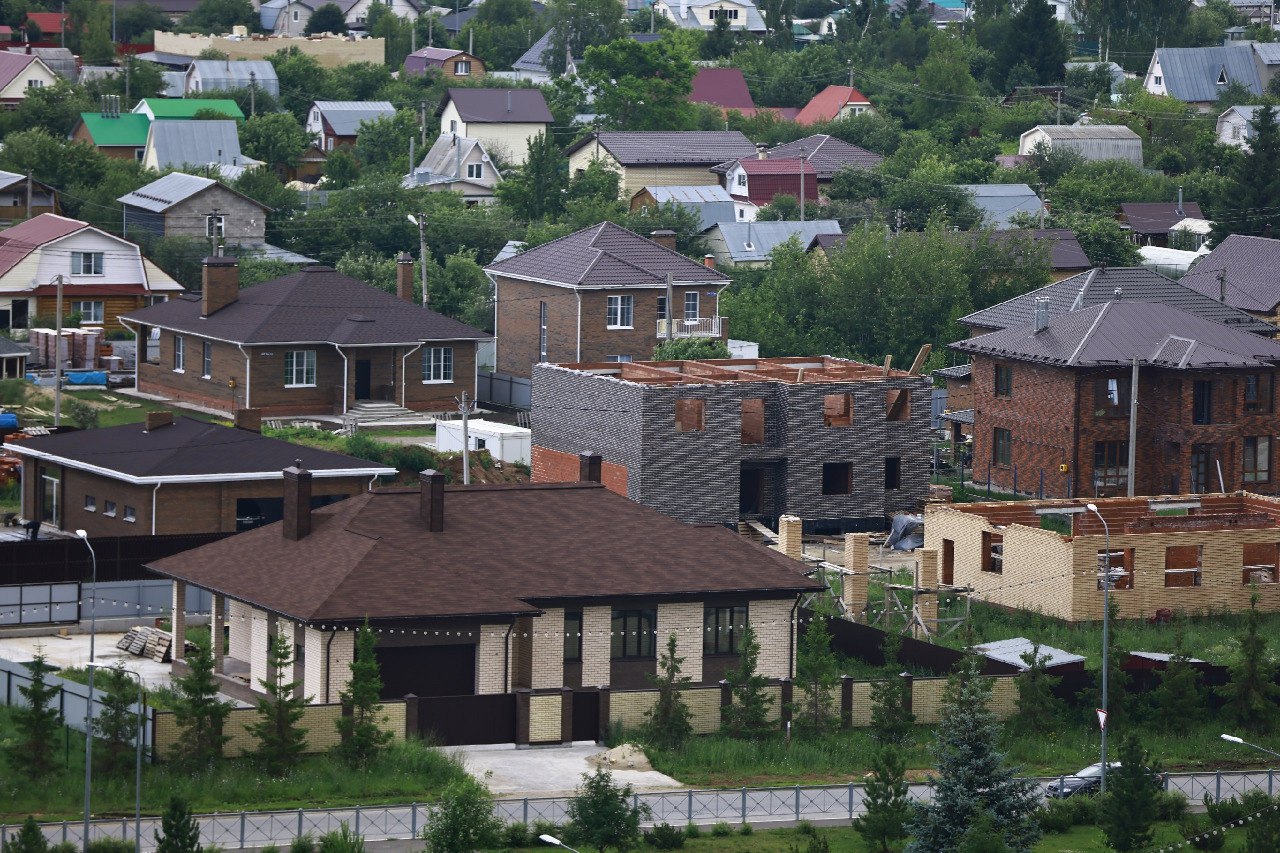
578,356
153,508
791,639
373,481
404,359
327,646
345,373
246,374
506,657
1075,446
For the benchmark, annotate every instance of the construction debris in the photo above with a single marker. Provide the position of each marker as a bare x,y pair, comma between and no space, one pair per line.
148,643
627,756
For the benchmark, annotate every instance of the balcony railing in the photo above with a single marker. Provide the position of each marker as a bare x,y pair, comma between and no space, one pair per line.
703,327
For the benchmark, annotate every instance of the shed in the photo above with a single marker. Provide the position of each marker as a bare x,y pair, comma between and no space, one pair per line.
1090,141
712,203
503,441
1011,651
210,75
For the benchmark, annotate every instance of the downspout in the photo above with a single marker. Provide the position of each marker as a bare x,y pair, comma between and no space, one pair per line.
153,508
372,482
506,658
345,371
1075,446
327,646
246,374
404,360
578,355
139,344
791,639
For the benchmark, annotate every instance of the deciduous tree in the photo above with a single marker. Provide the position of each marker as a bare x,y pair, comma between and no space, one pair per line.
604,815
327,18
640,85
1253,203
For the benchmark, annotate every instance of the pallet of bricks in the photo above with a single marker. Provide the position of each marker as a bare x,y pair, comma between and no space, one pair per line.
148,643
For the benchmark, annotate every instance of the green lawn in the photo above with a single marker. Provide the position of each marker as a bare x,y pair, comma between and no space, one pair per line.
115,409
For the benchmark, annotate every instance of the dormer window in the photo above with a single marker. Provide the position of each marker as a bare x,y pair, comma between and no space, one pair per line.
742,179
1222,77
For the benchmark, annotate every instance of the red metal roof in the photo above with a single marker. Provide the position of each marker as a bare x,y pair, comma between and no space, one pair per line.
722,87
769,178
48,22
23,239
826,105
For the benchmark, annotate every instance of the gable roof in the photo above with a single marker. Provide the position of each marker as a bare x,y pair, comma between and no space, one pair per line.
371,555
196,143
185,450
163,193
827,154
1000,202
1191,73
532,59
447,152
826,105
1158,217
1115,333
1086,131
435,54
675,147
235,74
499,106
345,117
604,256
14,64
755,241
126,129
1248,267
185,108
316,304
722,87
1135,284
24,238
752,20
711,202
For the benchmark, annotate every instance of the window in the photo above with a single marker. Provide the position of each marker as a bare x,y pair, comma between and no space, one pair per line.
1004,380
572,635
475,170
897,405
1257,459
836,478
662,308
1159,81
300,368
623,359
86,263
742,179
437,364
723,629
1260,561
542,331
753,421
215,226
1110,464
453,126
109,509
90,503
206,360
1202,402
89,311
1182,565
1222,77
35,84
993,553
1111,397
462,67
619,312
295,16
1258,392
691,305
892,472
837,410
1120,564
1001,446
179,353
130,514
690,415
633,634
728,14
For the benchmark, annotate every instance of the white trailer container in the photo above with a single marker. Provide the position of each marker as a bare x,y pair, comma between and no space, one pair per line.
503,441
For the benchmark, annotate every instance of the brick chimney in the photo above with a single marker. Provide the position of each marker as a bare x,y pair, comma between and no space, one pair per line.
431,500
250,419
665,237
220,284
155,420
709,261
404,277
297,502
588,467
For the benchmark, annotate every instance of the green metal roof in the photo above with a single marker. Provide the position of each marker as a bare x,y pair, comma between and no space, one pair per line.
125,129
169,108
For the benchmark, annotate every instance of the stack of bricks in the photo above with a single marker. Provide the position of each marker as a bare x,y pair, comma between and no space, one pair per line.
856,550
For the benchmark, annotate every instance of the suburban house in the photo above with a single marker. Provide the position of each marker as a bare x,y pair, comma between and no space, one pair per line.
827,154
601,294
313,342
1170,554
174,475
1235,126
531,66
751,244
103,276
712,203
181,205
1241,272
725,88
357,11
178,109
841,445
1152,223
457,164
1197,75
505,121
336,123
224,75
452,64
659,158
1066,256
702,14
1000,203
957,412
1090,141
213,145
833,103
1053,399
21,197
20,72
754,182
287,17
119,135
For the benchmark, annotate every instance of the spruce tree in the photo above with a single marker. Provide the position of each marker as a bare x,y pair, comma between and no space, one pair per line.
973,777
34,747
1130,808
1038,708
1179,698
817,673
667,723
179,832
29,839
1251,694
1249,204
199,713
885,798
891,717
361,728
748,715
116,725
280,740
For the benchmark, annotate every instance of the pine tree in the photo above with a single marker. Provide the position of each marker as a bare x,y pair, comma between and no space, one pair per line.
179,832
32,751
28,840
885,798
748,715
361,729
199,713
1251,694
668,723
817,673
1264,832
973,778
1038,708
1130,807
891,717
117,723
1179,698
280,740
1249,203
1037,42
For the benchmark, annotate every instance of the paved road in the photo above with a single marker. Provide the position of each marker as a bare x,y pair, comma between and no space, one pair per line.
760,807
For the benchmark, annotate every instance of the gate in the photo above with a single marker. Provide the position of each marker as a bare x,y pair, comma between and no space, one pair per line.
586,715
468,720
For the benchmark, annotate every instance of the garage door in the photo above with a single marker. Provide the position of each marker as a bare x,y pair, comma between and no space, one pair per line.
427,670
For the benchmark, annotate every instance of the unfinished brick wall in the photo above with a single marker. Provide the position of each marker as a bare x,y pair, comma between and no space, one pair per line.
555,466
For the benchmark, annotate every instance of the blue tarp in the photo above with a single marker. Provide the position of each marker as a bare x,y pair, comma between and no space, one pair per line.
8,420
93,377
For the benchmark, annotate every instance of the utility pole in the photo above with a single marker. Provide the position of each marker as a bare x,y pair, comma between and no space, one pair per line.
802,164
850,64
422,254
1133,424
422,108
1059,107
465,408
57,359
1042,206
128,66
28,193
253,92
897,226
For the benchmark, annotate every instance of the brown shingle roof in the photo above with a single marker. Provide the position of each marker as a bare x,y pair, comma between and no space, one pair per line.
1158,217
1248,267
503,550
675,147
501,106
827,154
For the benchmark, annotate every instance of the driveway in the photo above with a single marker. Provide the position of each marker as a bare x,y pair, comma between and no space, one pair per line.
547,771
73,650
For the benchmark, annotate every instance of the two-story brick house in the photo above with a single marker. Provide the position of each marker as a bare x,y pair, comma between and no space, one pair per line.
313,342
1053,400
601,294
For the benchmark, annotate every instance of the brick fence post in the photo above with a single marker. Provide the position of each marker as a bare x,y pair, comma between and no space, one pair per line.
604,714
910,680
846,701
522,716
785,706
726,698
410,716
566,715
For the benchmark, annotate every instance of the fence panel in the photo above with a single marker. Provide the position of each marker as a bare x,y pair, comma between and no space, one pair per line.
503,389
73,697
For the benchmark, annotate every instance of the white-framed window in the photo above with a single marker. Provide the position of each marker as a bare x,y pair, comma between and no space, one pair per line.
139,153
623,359
462,67
179,354
35,84
109,509
130,514
453,126
742,179
206,360
437,364
215,226
741,213
1158,79
475,170
620,312
90,311
300,368
86,263
90,503
295,16
662,308
691,305
542,331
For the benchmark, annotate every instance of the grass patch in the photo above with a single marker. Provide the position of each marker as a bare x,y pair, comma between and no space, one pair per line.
124,409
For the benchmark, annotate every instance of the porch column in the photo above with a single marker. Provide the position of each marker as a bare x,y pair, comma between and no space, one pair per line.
217,623
273,628
178,619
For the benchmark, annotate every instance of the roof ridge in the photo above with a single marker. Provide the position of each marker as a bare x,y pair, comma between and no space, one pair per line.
1084,339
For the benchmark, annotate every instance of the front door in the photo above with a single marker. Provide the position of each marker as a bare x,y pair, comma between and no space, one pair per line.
364,372
749,488
1202,468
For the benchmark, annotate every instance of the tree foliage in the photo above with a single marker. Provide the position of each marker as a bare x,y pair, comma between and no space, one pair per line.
640,85
892,720
179,832
668,723
886,801
536,189
28,839
603,814
748,714
280,739
1251,694
116,724
1179,698
199,713
694,349
817,674
362,734
1130,808
1253,200
464,820
274,138
1038,708
578,24
33,750
327,18
219,16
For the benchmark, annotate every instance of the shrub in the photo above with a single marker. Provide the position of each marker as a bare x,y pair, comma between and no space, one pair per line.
602,814
818,842
64,847
664,836
178,832
691,830
28,840
341,840
806,828
1200,832
80,413
546,827
464,821
270,848
1171,806
745,829
1056,816
13,392
721,830
1222,812
517,835
304,843
111,845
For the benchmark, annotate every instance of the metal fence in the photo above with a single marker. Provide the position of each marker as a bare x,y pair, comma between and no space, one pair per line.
72,697
503,389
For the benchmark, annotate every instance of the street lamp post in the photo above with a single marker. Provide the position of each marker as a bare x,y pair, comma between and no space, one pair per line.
137,777
88,709
1243,742
555,842
1106,625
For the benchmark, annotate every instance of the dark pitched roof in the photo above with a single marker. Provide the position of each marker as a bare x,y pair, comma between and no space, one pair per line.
1158,217
722,87
500,106
9,348
827,154
604,255
1250,265
188,449
957,371
1136,284
676,147
503,549
1115,333
313,305
1065,251
826,242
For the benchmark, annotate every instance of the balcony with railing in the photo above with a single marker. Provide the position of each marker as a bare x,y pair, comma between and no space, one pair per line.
702,327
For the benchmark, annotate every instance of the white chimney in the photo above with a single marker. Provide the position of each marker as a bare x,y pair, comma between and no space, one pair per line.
1042,313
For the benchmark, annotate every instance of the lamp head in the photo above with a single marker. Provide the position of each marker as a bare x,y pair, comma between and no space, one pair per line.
1232,738
1091,507
411,218
551,839
82,534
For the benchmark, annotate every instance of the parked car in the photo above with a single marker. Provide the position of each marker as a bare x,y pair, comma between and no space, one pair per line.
1086,781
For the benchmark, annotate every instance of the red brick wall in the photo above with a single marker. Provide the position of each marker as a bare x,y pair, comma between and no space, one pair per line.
556,466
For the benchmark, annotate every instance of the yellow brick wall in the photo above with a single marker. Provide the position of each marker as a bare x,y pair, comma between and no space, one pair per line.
544,718
775,707
704,708
1004,695
771,621
238,622
548,649
862,703
683,619
629,707
258,643
319,722
491,659
596,622
926,698
342,651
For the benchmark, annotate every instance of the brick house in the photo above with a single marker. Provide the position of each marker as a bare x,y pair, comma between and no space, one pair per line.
182,205
565,586
314,342
840,444
600,294
1052,402
173,475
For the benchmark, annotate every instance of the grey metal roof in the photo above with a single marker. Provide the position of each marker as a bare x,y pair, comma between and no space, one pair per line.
175,83
1191,74
61,60
677,147
274,253
345,117
827,154
8,179
958,371
509,250
604,255
764,237
1115,333
1158,217
532,59
501,106
161,57
1161,657
1094,141
1135,284
960,416
1248,265
712,203
752,22
1000,202
217,74
178,143
1268,53
162,194
1011,652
